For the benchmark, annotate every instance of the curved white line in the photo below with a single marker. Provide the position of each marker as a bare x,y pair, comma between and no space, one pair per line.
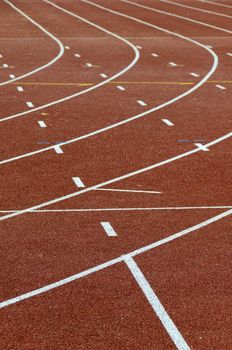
196,8
61,51
125,121
127,68
215,3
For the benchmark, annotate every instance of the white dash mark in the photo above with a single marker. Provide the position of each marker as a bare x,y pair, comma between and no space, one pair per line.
172,64
30,104
1,56
139,47
12,76
5,65
168,122
194,75
77,55
20,88
42,124
78,182
103,75
141,103
156,305
108,229
155,55
229,54
67,47
58,149
209,47
119,87
202,147
89,65
220,87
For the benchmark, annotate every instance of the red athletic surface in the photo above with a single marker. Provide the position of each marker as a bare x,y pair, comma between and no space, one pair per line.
191,276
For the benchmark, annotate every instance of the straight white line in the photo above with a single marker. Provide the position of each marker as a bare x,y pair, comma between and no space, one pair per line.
156,305
194,75
210,47
60,53
115,261
89,65
29,104
124,70
129,191
42,124
168,122
77,55
119,87
78,182
108,229
12,76
20,88
139,47
201,147
173,64
67,47
58,149
141,103
215,3
5,65
1,56
154,54
103,75
229,54
220,87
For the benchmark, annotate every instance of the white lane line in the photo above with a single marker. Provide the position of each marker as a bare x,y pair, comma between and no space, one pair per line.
12,76
210,47
156,305
108,229
129,191
124,70
67,47
117,260
194,75
139,47
215,3
42,124
77,55
1,56
58,56
141,103
168,122
221,87
140,115
202,147
5,65
154,54
196,9
229,54
78,182
119,87
58,149
173,64
89,65
20,88
29,104
103,75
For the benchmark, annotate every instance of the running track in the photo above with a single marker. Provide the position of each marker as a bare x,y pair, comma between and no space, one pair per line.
116,207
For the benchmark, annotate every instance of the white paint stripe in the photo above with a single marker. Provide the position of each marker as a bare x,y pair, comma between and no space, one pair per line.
210,47
109,229
58,149
201,147
229,54
156,305
5,65
194,75
168,122
60,53
124,70
141,103
115,261
20,88
77,55
139,47
42,124
155,55
119,87
196,8
12,76
125,121
103,75
29,104
89,65
178,16
67,47
173,64
129,191
216,3
1,56
220,87
114,180
78,182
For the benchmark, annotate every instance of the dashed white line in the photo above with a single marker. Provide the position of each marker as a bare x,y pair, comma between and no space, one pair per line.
103,75
139,47
42,124
168,122
77,55
89,65
1,56
5,65
229,54
141,103
221,87
156,305
58,149
173,64
202,147
109,229
194,75
78,182
119,87
154,54
12,76
67,47
20,88
29,104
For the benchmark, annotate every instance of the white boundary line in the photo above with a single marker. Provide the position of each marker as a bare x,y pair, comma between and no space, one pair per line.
129,191
215,3
124,70
114,261
138,116
61,51
195,8
156,305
